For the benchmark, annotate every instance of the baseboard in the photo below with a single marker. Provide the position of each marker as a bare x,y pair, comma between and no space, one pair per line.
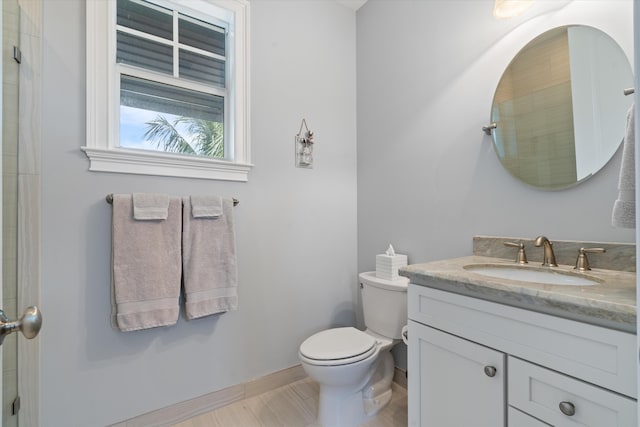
182,411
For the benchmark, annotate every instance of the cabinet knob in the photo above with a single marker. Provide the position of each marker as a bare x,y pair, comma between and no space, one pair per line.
567,408
490,371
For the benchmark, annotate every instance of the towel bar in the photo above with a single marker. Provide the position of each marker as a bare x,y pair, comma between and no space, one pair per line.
109,199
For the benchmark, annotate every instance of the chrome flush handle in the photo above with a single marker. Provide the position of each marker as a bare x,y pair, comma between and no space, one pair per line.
29,323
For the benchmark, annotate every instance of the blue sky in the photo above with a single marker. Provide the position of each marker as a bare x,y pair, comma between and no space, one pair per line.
133,126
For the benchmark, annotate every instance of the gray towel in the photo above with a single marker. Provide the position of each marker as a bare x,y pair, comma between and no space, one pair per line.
146,267
148,206
624,209
209,262
206,206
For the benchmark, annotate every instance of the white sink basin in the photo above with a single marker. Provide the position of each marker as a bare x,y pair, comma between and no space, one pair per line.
543,275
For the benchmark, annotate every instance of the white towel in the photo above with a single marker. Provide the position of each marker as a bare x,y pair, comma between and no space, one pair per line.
209,262
150,206
146,267
624,209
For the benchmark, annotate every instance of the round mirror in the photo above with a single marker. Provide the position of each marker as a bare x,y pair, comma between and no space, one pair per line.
560,109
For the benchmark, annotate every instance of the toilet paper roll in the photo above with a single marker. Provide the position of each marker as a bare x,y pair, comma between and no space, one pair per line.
405,334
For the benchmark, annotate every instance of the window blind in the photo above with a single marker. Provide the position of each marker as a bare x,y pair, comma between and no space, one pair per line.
146,17
199,34
144,53
202,68
202,45
154,96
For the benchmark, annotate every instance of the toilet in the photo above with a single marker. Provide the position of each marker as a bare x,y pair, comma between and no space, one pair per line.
355,368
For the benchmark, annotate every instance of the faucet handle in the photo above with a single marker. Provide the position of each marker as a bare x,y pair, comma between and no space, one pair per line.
521,257
582,263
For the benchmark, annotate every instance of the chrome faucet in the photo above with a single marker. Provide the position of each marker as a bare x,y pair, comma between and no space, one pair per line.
549,258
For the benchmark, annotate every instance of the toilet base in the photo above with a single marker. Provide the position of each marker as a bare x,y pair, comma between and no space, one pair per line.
339,410
378,393
373,406
349,408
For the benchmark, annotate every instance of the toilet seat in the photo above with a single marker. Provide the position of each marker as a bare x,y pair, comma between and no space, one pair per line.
338,346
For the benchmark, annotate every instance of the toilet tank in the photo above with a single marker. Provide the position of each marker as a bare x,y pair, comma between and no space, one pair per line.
384,303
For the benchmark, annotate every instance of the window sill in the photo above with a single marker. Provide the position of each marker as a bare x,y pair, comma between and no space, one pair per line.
142,162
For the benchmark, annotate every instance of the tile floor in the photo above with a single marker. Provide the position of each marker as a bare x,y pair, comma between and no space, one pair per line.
292,405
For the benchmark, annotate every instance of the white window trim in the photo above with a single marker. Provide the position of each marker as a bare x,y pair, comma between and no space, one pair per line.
102,147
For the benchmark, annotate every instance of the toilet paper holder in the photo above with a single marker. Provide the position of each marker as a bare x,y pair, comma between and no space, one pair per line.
405,334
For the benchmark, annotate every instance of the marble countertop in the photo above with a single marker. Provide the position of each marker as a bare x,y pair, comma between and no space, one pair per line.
611,303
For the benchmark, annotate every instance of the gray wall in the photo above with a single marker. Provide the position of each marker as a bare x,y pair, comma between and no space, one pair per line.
428,178
296,228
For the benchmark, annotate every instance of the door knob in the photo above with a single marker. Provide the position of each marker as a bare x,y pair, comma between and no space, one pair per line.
29,323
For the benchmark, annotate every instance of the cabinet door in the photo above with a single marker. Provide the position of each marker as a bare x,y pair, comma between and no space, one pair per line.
454,382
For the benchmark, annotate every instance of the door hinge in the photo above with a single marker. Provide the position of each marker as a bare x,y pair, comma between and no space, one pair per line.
15,406
17,54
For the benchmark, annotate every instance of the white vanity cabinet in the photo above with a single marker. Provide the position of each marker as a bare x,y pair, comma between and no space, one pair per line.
475,362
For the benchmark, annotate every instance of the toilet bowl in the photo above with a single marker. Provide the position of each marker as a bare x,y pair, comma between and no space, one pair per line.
354,368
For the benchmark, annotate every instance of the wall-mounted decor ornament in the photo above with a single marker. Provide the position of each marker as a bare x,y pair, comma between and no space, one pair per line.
304,147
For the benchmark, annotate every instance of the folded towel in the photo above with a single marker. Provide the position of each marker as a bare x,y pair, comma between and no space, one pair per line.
206,206
147,206
624,209
146,267
209,262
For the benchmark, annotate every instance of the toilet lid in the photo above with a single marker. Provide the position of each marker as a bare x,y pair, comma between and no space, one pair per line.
337,343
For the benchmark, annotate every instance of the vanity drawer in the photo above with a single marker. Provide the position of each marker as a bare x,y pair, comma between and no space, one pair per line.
541,392
598,355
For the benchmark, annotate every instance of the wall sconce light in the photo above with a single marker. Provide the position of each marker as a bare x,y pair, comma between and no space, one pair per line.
510,8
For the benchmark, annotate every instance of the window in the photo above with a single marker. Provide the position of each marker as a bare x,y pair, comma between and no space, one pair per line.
167,89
